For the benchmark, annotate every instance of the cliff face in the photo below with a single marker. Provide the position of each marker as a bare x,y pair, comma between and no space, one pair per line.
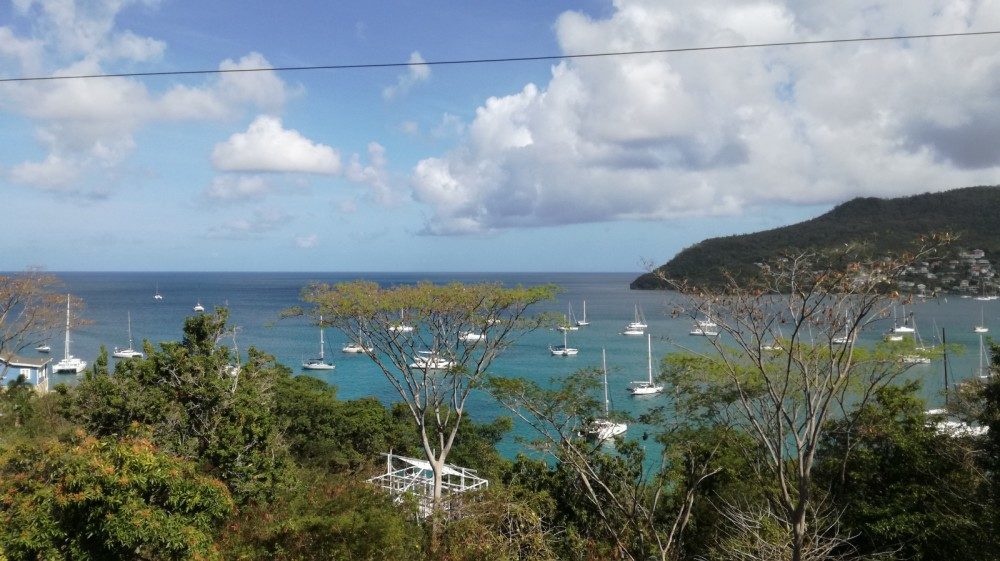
972,213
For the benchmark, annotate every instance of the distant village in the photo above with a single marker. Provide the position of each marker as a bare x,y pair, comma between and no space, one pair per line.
967,273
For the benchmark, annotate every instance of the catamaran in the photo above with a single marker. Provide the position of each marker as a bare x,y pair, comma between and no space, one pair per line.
646,387
319,363
69,364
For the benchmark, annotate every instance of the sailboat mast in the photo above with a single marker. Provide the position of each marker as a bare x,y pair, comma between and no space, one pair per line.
604,366
944,351
130,345
321,337
66,346
649,356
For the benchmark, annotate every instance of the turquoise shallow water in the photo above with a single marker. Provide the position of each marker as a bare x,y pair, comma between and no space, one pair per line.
255,300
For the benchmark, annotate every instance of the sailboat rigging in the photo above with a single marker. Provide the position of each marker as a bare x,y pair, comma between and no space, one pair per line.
129,351
319,363
604,428
646,387
69,364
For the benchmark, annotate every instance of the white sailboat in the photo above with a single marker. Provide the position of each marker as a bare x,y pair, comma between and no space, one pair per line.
69,364
984,363
981,328
129,351
646,387
907,327
430,360
703,331
401,327
846,338
198,307
472,337
640,321
637,326
583,322
356,348
319,363
156,293
564,349
604,428
570,323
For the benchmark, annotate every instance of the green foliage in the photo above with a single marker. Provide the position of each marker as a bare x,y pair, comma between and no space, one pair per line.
322,518
197,404
902,486
17,403
338,435
83,498
890,224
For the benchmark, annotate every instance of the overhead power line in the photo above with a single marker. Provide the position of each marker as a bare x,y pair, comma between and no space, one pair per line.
503,59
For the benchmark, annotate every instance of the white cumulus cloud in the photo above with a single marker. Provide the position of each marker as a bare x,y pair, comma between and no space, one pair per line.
89,126
267,146
694,134
416,72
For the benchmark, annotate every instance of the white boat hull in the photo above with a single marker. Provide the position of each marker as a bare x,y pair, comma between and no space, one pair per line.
317,365
70,365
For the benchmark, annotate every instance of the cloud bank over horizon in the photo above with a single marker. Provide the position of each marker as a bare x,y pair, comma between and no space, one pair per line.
652,137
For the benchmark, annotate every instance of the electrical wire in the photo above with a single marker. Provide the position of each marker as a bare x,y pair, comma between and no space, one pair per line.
503,59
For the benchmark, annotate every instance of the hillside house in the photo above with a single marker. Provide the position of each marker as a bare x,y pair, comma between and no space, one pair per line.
35,370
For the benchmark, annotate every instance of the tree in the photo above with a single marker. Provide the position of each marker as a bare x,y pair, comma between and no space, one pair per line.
787,362
905,487
420,339
29,310
619,498
86,499
199,403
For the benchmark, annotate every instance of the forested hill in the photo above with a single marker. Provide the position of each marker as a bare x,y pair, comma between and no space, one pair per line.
973,213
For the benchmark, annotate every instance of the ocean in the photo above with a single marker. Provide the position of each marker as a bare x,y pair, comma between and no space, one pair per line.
255,301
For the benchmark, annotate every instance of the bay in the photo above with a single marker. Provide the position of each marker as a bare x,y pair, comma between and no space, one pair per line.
255,301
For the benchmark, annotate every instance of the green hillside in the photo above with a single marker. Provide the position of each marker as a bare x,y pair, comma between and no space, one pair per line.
973,213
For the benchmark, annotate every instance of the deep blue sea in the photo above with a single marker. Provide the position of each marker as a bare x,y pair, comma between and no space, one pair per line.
256,299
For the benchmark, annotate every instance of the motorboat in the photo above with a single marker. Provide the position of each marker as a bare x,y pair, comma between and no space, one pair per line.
198,307
69,363
43,348
646,387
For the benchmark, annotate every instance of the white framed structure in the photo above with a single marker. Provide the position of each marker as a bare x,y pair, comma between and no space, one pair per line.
409,476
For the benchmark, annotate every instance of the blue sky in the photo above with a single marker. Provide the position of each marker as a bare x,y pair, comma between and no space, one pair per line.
584,165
